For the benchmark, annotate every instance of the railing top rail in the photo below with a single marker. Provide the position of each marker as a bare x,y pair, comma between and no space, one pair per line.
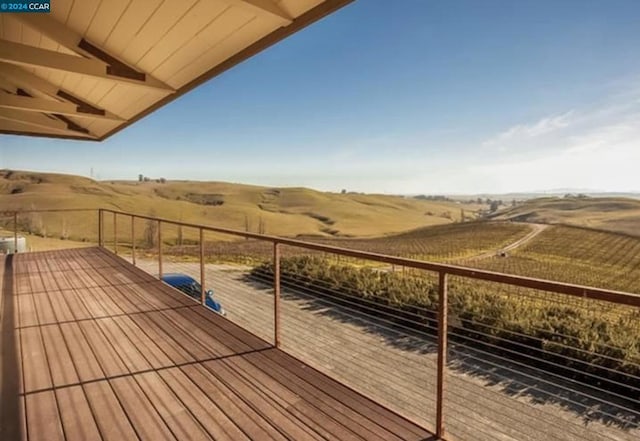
586,292
47,210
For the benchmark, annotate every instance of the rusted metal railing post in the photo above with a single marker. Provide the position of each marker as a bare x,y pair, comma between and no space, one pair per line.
159,249
442,352
276,294
202,288
115,233
100,228
15,232
133,239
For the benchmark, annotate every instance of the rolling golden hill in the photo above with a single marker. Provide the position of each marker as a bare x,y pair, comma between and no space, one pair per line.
277,211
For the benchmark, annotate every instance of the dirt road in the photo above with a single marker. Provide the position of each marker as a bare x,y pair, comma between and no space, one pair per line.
535,230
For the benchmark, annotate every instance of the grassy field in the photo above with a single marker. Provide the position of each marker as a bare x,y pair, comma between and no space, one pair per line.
610,213
575,255
278,211
443,243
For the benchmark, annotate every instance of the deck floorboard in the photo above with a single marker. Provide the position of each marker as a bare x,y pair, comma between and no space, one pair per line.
103,351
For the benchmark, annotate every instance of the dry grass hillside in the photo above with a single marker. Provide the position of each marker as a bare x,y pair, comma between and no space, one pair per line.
621,215
278,211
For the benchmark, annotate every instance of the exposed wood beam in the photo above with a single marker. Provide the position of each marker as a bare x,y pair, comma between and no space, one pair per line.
53,29
8,85
32,118
27,80
8,101
261,7
58,32
22,54
21,128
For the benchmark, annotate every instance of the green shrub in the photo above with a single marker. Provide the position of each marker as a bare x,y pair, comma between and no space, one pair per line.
526,323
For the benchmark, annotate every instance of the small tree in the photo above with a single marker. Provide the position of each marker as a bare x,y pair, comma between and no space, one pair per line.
180,238
247,224
64,235
151,231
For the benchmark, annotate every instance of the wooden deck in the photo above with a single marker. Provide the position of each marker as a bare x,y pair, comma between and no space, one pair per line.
95,349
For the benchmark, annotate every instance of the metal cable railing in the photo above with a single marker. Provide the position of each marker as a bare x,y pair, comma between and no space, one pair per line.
483,354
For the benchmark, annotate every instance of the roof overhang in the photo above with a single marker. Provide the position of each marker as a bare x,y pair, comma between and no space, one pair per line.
89,69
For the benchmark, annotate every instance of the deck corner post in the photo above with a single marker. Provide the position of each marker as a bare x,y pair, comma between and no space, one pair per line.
100,227
202,274
115,233
159,249
276,294
133,239
442,353
15,232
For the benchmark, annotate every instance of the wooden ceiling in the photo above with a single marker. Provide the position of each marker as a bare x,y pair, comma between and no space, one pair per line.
92,67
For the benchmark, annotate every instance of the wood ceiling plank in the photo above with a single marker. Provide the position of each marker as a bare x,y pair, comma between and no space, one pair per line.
8,85
52,76
87,84
124,99
45,25
99,92
70,82
141,103
82,14
198,18
12,28
225,25
121,97
61,9
129,24
250,33
49,44
161,22
30,36
109,13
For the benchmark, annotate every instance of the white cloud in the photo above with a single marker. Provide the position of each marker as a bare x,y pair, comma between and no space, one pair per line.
599,154
525,132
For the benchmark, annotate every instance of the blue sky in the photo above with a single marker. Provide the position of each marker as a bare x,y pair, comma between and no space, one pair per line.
411,96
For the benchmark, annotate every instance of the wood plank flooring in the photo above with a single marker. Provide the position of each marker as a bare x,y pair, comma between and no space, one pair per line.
95,349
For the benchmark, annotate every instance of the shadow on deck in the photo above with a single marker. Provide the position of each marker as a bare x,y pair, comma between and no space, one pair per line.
94,348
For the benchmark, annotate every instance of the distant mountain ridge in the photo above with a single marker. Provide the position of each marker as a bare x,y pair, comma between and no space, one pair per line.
616,214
